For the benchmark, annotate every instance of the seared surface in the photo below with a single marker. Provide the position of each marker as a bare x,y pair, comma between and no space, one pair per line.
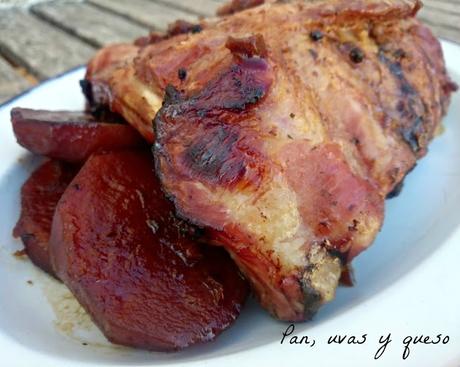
284,139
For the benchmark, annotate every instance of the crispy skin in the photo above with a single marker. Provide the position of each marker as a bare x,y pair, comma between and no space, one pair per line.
284,139
133,265
39,197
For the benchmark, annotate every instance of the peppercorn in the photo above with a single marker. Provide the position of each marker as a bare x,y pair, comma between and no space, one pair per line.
182,73
316,35
356,55
196,28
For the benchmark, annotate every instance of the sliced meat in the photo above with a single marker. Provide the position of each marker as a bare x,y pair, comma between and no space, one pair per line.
69,136
39,197
133,265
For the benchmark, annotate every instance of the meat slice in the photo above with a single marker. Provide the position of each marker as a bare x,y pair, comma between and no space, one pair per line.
69,136
39,197
133,265
283,128
281,214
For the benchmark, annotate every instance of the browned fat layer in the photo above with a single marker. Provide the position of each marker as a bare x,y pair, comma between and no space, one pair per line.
98,96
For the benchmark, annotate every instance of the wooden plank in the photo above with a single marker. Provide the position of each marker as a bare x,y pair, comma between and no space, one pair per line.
445,32
93,25
44,50
442,5
11,83
145,12
438,17
200,7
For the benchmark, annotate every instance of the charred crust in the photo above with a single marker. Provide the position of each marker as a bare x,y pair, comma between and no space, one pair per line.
98,102
410,107
214,151
219,154
312,299
251,95
183,27
172,95
354,226
396,191
400,185
87,90
411,134
342,256
320,279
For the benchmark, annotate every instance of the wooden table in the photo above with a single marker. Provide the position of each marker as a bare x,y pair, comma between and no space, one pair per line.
49,38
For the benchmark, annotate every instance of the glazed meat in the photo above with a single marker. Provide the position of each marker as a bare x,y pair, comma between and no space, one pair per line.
283,128
133,265
69,135
39,197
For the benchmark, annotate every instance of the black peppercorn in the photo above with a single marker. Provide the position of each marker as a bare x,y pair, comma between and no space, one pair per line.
356,55
182,74
316,35
196,28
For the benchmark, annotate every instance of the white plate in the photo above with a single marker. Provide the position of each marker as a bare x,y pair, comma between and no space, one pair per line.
407,282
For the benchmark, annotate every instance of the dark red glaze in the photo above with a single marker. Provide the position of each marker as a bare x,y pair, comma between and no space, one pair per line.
69,136
133,265
39,197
